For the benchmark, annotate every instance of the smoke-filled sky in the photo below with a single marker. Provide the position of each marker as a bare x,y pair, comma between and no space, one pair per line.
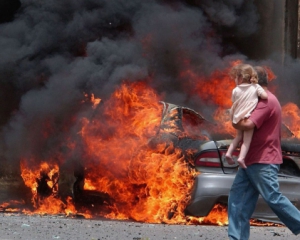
54,51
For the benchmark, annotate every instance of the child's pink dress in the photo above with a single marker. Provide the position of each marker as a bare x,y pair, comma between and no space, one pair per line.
244,98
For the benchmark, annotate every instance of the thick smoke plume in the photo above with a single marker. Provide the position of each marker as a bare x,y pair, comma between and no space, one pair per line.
55,52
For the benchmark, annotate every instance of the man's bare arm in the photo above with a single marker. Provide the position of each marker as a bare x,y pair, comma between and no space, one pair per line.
244,125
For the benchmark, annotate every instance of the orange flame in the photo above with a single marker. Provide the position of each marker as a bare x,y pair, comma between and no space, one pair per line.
218,215
215,90
224,123
47,202
126,168
291,118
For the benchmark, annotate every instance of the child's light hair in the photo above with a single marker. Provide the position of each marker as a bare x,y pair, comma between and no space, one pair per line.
245,71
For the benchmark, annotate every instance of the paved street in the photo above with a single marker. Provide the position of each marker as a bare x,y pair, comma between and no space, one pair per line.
15,226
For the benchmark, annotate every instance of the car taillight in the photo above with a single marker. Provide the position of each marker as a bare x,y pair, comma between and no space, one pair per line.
208,159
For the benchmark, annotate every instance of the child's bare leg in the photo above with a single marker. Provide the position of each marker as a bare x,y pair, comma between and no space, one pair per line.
245,147
233,146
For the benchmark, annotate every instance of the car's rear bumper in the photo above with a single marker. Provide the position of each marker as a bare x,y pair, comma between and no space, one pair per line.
209,189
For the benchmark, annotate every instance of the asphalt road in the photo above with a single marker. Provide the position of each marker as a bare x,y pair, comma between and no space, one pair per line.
19,226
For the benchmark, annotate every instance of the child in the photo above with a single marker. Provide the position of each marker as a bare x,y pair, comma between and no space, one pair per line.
244,97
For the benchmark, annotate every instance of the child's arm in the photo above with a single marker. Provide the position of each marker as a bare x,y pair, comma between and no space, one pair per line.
261,92
263,95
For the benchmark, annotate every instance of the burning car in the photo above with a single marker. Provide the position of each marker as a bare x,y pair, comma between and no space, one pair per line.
203,148
213,183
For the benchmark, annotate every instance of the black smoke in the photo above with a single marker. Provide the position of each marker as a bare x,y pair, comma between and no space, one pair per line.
54,51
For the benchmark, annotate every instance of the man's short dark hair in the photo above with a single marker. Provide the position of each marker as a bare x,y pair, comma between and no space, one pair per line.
262,76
